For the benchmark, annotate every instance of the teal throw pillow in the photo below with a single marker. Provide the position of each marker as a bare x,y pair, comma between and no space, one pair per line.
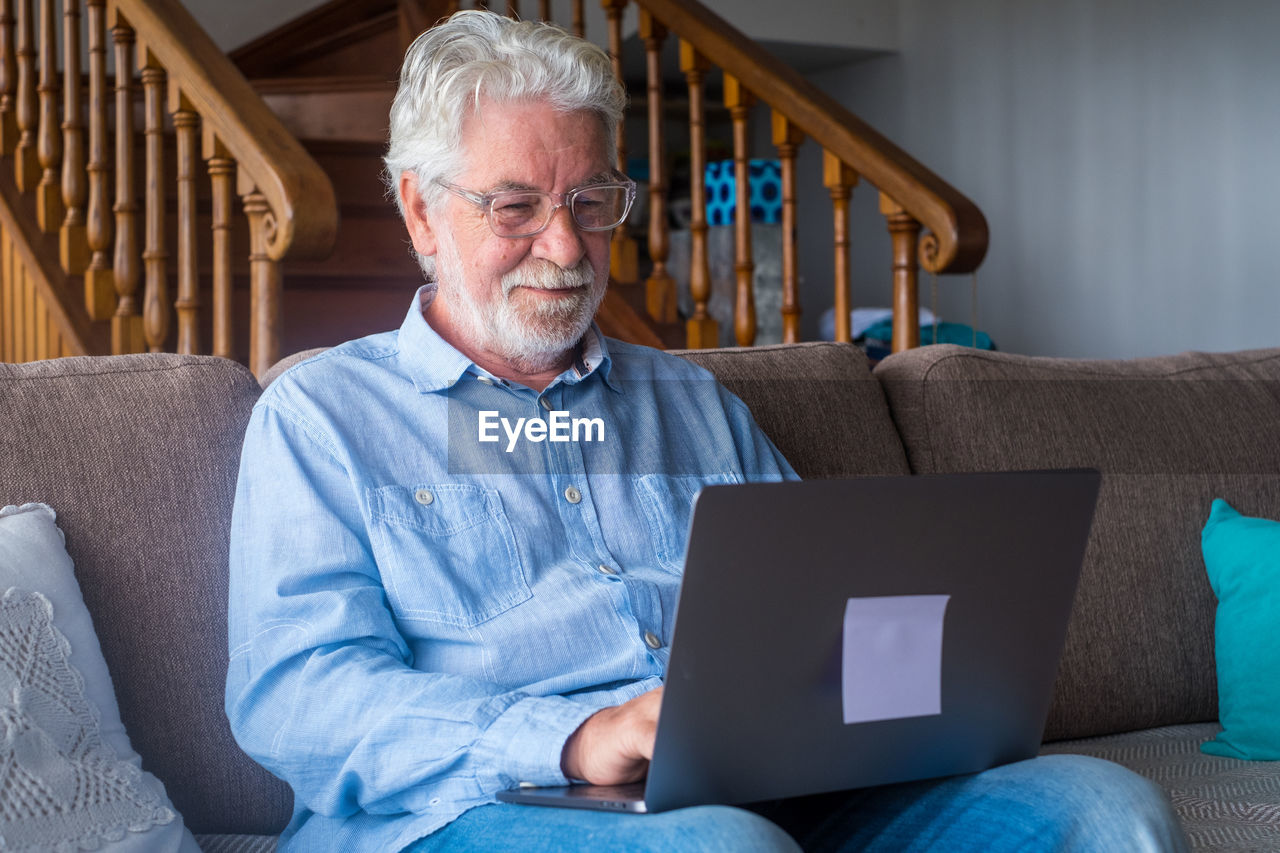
1242,556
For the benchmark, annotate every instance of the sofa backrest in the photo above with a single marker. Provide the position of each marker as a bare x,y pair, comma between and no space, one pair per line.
138,456
818,402
1169,434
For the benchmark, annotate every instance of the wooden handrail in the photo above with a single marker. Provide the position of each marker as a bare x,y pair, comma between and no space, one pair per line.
295,188
957,238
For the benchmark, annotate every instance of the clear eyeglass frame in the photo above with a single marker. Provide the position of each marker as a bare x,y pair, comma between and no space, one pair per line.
486,201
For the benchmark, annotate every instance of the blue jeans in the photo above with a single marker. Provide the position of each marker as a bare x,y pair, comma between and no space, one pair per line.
1053,803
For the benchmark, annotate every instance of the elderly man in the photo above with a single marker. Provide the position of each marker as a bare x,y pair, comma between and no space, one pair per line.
426,609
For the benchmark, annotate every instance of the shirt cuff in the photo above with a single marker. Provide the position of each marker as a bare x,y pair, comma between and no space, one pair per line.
523,745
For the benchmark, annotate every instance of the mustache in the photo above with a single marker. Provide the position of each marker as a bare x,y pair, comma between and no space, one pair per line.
542,274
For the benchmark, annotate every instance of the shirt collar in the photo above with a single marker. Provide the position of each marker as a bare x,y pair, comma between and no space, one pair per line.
436,365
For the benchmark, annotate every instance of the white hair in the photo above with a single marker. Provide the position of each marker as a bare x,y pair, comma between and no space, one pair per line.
474,55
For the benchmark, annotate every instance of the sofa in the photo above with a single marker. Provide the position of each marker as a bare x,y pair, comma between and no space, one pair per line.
138,456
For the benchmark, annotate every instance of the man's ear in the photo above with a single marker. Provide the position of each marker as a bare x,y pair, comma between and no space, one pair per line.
416,218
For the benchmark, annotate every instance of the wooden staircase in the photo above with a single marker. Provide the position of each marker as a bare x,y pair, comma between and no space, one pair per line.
101,251
329,76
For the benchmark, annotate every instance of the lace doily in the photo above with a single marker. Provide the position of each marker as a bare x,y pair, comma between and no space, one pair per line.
61,787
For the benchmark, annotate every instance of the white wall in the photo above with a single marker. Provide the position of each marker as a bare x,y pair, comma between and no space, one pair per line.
1126,154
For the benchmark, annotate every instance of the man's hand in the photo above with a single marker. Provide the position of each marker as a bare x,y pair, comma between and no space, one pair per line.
613,746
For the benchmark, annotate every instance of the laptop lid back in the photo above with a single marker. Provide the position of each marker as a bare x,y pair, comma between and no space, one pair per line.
844,633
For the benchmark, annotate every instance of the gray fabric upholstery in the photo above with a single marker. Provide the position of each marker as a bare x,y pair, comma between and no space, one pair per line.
1169,434
1224,804
817,402
236,843
274,371
138,456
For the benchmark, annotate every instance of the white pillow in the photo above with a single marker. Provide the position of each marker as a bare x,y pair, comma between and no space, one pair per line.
68,776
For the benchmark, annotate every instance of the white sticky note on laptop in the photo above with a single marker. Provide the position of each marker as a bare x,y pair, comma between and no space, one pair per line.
892,657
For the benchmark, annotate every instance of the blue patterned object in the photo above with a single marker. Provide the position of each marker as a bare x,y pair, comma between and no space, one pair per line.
765,178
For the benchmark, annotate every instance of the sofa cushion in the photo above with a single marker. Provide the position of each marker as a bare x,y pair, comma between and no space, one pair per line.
139,456
71,779
1169,435
818,403
1242,556
1224,804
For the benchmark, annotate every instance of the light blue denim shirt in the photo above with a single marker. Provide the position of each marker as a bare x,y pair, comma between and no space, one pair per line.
419,618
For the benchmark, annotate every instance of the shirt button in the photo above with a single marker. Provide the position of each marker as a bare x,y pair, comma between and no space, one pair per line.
423,497
546,404
607,570
572,495
651,640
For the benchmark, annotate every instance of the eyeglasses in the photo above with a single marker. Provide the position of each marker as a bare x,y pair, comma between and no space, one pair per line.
524,213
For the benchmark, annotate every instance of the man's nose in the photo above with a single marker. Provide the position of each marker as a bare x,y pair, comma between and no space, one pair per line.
561,242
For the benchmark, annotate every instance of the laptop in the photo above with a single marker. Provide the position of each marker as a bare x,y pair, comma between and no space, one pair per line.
838,634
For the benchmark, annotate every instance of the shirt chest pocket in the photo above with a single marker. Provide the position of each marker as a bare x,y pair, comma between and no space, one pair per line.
446,553
668,505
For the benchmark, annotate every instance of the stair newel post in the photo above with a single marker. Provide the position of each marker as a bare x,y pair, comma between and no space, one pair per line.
264,279
25,166
155,302
904,231
739,102
660,288
8,81
579,25
787,138
49,210
186,124
839,180
73,248
701,329
624,262
222,169
99,287
126,325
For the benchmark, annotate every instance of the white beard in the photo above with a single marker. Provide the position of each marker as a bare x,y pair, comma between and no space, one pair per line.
531,339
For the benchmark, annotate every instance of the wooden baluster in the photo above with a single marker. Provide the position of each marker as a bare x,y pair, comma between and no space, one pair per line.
739,101
155,299
787,137
25,165
8,81
624,261
73,247
544,10
513,8
839,180
49,210
660,288
186,124
39,328
55,337
579,25
221,171
126,324
264,280
99,286
20,311
904,231
701,330
8,317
